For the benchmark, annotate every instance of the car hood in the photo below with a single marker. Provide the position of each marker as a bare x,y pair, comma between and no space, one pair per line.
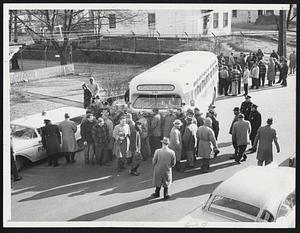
21,144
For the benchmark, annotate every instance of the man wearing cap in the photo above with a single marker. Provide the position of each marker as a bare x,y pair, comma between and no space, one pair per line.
236,112
87,138
215,123
189,141
163,161
199,117
240,136
246,107
255,121
176,142
68,129
155,130
51,141
93,87
168,123
266,135
206,138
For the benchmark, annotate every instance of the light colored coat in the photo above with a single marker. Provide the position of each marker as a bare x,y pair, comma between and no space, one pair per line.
68,129
176,142
271,71
240,132
163,160
206,138
265,135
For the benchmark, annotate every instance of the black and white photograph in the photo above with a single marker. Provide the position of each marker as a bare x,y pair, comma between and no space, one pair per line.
149,115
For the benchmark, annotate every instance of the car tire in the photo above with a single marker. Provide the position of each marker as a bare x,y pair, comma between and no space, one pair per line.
20,161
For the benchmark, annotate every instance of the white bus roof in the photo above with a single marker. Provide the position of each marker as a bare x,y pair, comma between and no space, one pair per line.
181,70
56,116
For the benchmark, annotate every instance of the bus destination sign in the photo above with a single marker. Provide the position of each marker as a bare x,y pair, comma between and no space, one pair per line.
155,87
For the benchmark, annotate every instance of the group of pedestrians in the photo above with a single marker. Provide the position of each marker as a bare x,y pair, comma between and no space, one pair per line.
246,126
234,72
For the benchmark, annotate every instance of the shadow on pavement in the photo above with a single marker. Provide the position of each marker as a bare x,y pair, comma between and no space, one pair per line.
197,191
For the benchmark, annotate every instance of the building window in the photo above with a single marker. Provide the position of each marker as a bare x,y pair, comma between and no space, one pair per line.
151,20
269,12
234,13
260,12
225,20
112,20
216,20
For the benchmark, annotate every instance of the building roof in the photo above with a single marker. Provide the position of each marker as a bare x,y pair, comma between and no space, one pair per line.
181,69
56,116
263,187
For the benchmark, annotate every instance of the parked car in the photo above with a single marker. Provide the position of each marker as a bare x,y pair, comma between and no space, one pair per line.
26,133
255,194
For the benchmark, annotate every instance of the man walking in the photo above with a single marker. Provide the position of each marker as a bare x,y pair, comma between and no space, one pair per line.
87,138
240,136
284,70
176,142
266,135
68,129
236,112
163,161
292,62
51,141
255,121
101,138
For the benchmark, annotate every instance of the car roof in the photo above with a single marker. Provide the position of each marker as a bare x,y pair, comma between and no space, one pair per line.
263,187
56,116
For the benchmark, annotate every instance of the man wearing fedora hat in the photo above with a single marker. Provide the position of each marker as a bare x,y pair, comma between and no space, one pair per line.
176,142
236,112
51,141
266,135
68,129
246,107
240,137
163,161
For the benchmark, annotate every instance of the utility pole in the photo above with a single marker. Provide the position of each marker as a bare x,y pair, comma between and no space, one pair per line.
15,27
10,24
282,33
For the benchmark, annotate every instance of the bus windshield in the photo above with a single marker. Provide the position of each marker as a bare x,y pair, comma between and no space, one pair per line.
157,101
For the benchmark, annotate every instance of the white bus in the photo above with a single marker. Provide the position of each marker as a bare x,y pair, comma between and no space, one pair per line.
185,80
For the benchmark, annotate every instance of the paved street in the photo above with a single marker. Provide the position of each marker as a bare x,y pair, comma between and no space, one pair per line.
80,192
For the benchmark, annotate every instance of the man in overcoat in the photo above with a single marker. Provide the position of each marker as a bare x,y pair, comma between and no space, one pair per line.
206,138
236,112
87,138
51,141
155,130
240,136
176,142
246,107
68,129
266,135
189,141
255,121
163,161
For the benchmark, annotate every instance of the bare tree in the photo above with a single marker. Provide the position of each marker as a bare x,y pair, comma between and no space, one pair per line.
58,26
290,17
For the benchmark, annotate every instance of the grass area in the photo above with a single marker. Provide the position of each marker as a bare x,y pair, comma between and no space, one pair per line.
252,26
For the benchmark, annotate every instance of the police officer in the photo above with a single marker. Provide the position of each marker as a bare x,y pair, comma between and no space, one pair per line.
51,141
255,121
246,107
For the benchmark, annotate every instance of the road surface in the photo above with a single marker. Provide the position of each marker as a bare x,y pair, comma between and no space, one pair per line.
79,192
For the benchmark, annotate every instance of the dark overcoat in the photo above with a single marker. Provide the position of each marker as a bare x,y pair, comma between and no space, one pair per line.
51,139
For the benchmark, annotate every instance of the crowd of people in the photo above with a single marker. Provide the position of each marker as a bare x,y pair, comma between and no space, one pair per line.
234,72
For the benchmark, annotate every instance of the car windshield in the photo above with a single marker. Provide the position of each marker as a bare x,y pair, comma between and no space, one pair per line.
233,209
23,132
157,101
